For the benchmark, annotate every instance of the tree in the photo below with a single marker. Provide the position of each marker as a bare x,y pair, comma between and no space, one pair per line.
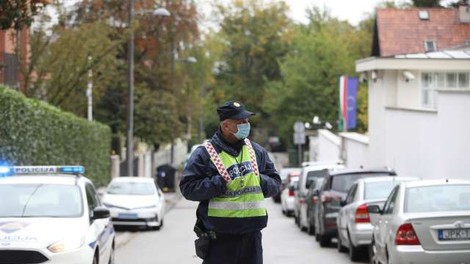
99,28
426,3
256,36
18,14
322,51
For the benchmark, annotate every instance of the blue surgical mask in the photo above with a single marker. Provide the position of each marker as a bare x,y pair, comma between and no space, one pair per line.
243,131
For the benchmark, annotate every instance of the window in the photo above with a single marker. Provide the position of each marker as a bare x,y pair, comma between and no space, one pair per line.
92,199
429,45
390,203
423,15
432,81
351,194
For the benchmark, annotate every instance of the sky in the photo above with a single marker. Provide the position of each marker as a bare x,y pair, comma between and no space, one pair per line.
352,11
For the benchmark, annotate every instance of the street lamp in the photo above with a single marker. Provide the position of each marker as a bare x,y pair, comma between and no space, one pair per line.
130,79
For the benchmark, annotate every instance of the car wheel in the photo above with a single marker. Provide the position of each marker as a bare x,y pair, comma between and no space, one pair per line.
373,253
296,219
95,259
354,252
325,241
311,229
341,248
111,256
158,227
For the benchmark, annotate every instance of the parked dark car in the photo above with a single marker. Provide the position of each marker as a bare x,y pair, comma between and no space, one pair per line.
334,189
312,201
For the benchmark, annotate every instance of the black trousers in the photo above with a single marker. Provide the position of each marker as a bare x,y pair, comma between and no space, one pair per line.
236,249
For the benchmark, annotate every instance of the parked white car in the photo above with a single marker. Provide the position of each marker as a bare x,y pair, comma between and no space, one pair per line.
135,201
354,227
52,214
287,195
424,221
309,171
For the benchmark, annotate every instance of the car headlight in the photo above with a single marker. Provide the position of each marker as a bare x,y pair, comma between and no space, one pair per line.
67,244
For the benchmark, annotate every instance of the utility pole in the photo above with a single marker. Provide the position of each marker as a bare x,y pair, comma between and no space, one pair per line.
89,90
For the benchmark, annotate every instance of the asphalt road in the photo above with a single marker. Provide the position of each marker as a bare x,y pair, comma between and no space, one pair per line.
283,241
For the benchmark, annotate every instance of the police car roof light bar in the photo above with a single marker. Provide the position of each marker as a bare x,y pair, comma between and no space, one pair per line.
28,170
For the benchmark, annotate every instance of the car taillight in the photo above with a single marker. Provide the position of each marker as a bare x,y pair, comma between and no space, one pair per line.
314,199
362,216
406,235
291,193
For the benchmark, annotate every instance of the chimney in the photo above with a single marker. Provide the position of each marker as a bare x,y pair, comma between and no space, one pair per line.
464,12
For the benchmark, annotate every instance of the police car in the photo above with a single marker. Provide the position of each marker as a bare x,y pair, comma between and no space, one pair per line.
52,214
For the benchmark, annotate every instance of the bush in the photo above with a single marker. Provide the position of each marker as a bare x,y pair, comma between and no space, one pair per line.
33,132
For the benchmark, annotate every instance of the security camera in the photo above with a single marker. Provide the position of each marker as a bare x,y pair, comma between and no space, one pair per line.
408,76
363,77
328,126
373,75
316,120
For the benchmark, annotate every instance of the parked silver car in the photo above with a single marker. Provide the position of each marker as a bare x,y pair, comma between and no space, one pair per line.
354,227
424,221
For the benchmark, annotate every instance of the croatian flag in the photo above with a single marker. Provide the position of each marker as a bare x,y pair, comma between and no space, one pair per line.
347,101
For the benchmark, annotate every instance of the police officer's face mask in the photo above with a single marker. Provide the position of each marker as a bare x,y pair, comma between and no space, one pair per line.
243,131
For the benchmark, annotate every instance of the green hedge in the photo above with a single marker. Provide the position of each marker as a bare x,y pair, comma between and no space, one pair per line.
33,132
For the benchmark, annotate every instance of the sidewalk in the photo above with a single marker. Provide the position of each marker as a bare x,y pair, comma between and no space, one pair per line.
171,199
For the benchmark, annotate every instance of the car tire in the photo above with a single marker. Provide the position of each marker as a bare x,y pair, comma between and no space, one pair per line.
158,227
111,255
325,241
372,250
311,229
354,252
297,220
95,259
341,248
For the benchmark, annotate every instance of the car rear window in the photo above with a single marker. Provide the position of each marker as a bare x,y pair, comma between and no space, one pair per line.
378,190
342,182
437,198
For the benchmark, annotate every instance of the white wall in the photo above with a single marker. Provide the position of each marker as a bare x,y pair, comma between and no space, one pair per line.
379,97
408,93
328,146
356,149
454,134
411,142
425,143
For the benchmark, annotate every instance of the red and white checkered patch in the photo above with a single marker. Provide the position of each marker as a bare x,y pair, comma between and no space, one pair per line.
217,162
251,151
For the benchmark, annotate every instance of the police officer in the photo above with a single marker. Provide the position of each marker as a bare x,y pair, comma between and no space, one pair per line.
230,177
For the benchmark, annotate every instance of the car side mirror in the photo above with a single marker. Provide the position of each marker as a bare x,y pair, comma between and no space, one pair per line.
342,203
310,184
100,213
374,209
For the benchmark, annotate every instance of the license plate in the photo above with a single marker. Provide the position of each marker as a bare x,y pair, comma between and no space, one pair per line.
454,234
127,216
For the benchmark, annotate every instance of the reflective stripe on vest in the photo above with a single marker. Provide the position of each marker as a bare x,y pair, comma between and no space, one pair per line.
244,197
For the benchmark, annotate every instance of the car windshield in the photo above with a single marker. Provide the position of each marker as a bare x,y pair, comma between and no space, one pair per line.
40,200
437,198
343,182
131,188
378,190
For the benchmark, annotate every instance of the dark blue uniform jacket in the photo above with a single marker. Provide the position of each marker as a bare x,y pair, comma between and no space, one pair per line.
201,182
